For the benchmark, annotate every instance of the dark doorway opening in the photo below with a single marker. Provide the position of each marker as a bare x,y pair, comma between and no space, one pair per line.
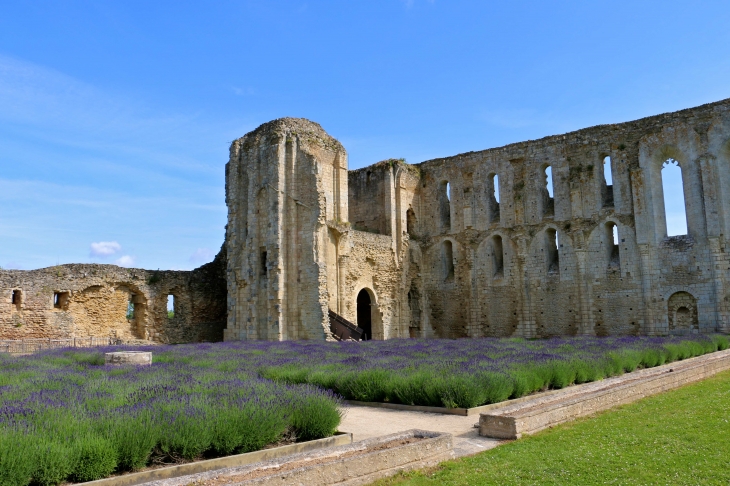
364,316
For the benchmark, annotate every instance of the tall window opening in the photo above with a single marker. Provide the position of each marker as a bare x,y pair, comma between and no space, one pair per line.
494,199
130,307
549,198
17,298
675,211
445,205
411,222
414,304
612,246
364,314
497,257
551,246
170,306
263,263
607,186
448,260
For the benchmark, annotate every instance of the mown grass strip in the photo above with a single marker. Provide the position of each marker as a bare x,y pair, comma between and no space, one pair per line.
679,437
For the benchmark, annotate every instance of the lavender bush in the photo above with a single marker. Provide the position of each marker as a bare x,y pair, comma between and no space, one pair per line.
65,416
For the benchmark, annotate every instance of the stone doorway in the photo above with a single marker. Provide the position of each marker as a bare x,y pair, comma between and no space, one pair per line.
364,314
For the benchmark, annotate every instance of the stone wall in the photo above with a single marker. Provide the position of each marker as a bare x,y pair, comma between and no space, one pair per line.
85,300
442,254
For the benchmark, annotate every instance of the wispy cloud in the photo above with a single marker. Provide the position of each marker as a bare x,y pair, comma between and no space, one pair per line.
105,248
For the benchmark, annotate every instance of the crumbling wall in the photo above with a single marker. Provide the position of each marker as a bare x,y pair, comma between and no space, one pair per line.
91,300
479,244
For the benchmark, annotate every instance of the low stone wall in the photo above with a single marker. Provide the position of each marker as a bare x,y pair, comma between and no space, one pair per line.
528,417
107,301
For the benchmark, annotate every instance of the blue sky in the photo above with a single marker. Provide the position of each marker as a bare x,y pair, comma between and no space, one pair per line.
115,117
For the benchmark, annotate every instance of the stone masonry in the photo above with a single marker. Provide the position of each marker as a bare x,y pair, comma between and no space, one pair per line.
464,246
91,300
440,256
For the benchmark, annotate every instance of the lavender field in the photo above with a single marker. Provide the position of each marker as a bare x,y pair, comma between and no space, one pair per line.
65,416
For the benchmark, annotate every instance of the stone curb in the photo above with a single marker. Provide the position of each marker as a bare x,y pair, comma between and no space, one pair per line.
170,472
511,422
327,466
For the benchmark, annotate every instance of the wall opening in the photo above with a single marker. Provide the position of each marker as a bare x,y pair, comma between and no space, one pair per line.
445,205
612,245
607,184
448,260
364,314
411,222
170,306
675,210
414,304
494,198
682,309
60,300
548,194
497,257
130,307
263,263
551,248
17,299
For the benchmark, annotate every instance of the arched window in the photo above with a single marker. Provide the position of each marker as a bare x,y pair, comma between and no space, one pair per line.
445,205
675,211
448,260
612,245
607,184
411,222
493,190
548,195
552,256
497,257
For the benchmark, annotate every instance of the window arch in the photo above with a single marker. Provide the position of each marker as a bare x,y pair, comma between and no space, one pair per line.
497,257
547,190
445,205
447,257
552,255
675,209
411,222
611,244
493,197
607,183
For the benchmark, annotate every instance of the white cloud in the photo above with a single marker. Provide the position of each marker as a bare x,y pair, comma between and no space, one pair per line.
202,255
125,261
13,266
105,248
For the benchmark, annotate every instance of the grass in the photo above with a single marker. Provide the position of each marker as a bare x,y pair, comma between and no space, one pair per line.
679,437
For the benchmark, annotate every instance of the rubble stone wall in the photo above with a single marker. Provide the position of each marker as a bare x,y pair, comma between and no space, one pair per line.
446,249
92,300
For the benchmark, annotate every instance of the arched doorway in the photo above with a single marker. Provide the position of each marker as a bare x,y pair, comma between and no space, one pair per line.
364,314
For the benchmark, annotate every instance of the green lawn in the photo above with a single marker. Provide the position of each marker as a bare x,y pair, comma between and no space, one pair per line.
679,437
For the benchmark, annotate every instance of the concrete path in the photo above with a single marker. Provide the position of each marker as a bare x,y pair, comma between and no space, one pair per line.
368,422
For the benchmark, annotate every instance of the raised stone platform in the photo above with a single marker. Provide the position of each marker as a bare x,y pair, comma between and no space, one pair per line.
128,358
528,417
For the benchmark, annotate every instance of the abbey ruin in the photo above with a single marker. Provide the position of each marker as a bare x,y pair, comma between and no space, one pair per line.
472,245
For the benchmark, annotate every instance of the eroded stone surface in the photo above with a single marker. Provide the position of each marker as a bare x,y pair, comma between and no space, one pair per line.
128,358
439,256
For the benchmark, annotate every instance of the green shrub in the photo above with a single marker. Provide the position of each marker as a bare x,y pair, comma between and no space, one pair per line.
134,439
53,463
247,427
370,385
315,417
17,459
93,458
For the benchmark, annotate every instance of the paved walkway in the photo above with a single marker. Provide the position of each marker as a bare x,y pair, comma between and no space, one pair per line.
367,422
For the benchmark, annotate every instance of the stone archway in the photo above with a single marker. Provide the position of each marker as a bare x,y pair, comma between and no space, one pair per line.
682,313
364,314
